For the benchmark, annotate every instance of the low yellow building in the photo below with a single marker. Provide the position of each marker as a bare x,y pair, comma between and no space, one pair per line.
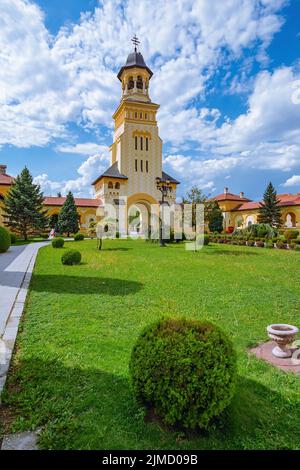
239,211
86,207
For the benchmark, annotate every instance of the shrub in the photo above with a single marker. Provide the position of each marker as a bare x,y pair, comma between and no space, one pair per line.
13,238
5,240
58,242
291,234
79,237
269,244
250,242
71,257
260,244
184,369
281,245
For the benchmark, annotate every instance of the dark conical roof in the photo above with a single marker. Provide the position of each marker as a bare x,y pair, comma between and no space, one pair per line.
134,59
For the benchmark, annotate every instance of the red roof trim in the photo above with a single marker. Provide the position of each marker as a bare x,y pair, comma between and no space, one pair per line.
80,202
6,179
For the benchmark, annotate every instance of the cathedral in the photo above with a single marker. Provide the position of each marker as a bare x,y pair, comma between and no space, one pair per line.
136,164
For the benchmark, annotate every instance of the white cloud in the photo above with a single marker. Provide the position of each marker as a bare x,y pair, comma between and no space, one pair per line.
201,172
292,181
86,148
92,167
72,77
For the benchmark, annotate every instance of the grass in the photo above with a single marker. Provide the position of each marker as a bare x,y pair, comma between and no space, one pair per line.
21,241
70,368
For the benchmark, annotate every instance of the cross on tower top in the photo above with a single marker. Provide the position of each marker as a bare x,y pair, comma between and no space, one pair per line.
135,41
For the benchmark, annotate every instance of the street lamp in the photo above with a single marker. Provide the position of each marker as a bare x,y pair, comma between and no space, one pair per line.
164,186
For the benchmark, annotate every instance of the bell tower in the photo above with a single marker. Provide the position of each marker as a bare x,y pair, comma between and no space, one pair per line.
136,151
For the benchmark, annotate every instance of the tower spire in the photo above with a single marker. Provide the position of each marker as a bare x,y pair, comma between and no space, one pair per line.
135,41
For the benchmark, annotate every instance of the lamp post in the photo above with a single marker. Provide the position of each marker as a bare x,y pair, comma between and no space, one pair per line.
164,186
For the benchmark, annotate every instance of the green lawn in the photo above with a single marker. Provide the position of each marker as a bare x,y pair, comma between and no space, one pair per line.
70,370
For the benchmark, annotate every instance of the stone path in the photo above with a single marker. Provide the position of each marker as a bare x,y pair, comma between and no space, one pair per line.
20,441
16,268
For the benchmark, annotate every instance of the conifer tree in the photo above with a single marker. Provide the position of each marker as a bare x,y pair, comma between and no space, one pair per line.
269,210
24,205
68,216
215,218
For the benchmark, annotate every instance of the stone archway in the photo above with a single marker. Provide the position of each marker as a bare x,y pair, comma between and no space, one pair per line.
139,205
290,220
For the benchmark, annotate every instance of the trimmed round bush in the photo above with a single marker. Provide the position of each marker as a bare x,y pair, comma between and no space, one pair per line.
79,237
71,257
5,240
260,244
58,242
13,238
185,370
291,234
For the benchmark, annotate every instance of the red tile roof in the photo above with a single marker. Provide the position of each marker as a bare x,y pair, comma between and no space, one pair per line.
6,179
285,200
80,202
229,197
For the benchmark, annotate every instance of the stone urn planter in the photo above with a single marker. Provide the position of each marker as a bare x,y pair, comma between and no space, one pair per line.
283,335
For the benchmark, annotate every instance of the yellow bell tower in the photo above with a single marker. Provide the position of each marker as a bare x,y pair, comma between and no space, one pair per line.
136,152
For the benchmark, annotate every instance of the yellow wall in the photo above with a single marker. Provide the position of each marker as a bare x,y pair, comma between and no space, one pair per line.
4,188
86,213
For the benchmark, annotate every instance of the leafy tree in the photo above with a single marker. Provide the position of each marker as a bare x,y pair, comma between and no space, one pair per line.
195,196
24,205
215,218
68,216
269,210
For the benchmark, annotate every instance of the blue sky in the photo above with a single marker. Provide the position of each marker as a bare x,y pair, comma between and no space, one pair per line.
226,74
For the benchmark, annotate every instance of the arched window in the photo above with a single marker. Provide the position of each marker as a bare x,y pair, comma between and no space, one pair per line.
135,115
290,220
141,143
146,116
139,83
147,166
117,185
110,185
136,165
147,144
130,83
249,220
135,143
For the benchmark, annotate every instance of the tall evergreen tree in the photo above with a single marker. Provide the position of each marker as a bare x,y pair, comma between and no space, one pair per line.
68,216
269,210
215,218
24,205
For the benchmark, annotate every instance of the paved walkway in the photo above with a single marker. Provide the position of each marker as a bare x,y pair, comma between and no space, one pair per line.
13,267
16,268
